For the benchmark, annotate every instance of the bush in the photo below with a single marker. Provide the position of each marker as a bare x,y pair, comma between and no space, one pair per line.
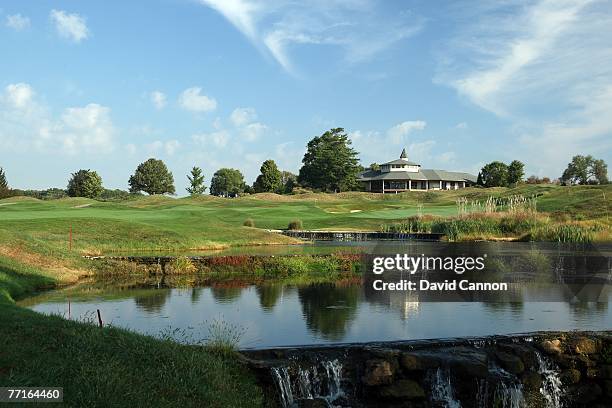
295,225
249,223
181,265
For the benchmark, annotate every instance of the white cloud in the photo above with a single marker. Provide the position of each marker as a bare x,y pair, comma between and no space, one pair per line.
169,146
158,99
253,131
26,123
359,28
461,125
243,116
192,99
547,67
218,139
19,95
87,128
70,25
398,132
17,22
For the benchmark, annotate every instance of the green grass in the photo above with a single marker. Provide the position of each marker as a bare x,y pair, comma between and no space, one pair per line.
109,367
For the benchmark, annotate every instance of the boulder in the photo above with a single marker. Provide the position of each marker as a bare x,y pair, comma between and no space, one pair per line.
593,373
402,389
570,376
584,345
462,360
527,354
531,380
551,346
510,362
378,372
585,394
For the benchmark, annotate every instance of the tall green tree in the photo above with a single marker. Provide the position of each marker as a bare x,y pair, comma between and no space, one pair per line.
196,182
227,181
152,177
374,167
330,163
585,170
494,174
516,172
4,187
85,183
289,181
269,179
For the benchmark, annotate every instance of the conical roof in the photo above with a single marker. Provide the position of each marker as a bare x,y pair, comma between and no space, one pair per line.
403,155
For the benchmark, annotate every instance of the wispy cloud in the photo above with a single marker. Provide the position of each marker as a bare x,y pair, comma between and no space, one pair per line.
360,28
17,22
70,25
158,99
546,66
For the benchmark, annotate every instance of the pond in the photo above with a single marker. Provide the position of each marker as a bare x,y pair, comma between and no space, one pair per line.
275,314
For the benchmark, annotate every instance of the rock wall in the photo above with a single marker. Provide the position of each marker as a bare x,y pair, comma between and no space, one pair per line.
571,369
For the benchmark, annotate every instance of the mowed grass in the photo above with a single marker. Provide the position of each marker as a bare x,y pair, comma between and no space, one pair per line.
163,223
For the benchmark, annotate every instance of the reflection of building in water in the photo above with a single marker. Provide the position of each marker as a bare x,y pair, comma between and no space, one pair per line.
406,302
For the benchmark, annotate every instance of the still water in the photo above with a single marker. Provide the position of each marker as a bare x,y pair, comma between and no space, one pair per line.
279,315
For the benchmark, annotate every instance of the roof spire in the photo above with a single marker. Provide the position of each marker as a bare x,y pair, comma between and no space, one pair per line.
403,155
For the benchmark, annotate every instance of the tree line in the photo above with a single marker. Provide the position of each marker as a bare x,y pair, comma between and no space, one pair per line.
330,164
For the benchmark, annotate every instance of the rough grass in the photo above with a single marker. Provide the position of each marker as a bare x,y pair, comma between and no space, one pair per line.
108,367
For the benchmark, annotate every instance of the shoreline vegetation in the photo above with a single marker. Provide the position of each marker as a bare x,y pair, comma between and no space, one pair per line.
42,244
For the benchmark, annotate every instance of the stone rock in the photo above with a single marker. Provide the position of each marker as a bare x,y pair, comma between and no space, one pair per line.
570,376
584,345
593,373
565,361
584,361
510,362
527,354
403,389
606,371
585,394
313,403
551,346
608,388
531,380
462,360
378,372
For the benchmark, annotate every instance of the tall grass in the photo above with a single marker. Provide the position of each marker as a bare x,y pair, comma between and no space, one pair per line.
223,337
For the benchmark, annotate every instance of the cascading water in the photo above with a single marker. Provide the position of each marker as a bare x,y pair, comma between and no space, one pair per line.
442,388
551,389
317,381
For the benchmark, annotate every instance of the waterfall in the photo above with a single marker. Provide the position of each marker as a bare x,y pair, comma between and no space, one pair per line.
281,377
501,389
551,383
442,389
317,381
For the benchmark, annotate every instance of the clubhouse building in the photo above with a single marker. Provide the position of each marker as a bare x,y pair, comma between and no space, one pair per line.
403,175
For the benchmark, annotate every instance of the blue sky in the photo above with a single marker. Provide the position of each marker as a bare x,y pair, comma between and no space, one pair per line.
230,83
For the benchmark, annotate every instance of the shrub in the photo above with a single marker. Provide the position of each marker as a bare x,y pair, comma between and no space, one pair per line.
249,223
181,265
295,225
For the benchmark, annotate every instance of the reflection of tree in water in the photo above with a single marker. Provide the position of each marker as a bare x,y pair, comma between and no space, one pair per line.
153,301
225,294
269,295
516,308
329,309
588,309
196,293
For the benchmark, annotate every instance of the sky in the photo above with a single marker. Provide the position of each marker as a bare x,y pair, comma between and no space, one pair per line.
105,85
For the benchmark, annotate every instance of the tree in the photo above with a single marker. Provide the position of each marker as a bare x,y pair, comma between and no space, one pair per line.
479,181
289,181
494,174
85,183
4,187
330,164
374,167
196,182
270,179
227,181
516,172
585,170
152,177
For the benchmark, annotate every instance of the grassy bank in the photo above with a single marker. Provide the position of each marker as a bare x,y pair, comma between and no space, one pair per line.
108,367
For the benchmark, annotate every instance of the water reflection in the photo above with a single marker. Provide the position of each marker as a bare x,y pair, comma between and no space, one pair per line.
329,309
152,302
